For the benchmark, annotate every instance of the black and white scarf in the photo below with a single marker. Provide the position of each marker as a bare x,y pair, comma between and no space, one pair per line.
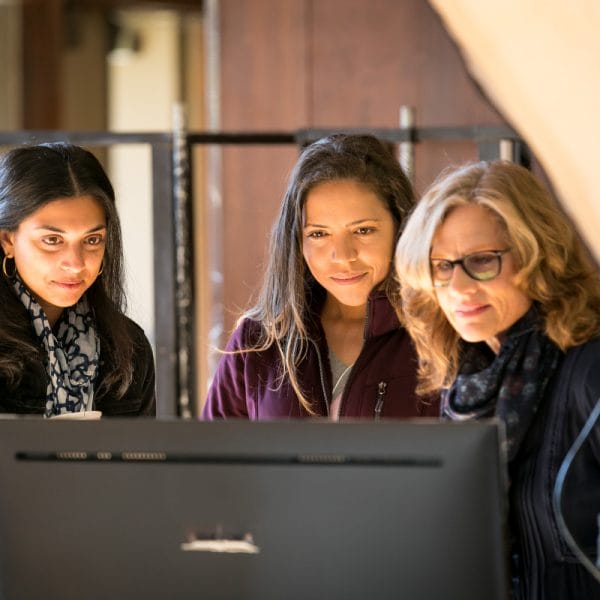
73,353
509,385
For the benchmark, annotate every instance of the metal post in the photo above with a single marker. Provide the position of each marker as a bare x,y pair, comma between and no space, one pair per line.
184,304
407,151
214,198
507,150
164,281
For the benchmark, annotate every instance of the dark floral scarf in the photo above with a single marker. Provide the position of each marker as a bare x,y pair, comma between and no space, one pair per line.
72,353
511,385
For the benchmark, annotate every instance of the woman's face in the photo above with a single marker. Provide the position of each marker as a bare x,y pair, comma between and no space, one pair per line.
348,237
478,310
58,251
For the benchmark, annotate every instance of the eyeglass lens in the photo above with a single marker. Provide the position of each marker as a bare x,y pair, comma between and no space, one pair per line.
481,266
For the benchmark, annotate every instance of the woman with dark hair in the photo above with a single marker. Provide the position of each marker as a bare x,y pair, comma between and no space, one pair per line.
503,303
323,338
66,346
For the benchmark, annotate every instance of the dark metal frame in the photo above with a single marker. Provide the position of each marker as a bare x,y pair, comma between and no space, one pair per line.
168,229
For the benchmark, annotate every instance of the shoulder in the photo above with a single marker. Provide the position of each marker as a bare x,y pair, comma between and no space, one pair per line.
580,372
143,354
246,335
137,333
132,332
584,359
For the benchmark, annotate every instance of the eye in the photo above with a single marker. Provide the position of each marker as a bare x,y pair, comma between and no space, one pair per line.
51,240
365,230
316,234
94,240
481,260
441,266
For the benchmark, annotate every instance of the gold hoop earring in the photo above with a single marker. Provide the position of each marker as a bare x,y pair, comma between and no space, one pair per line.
12,276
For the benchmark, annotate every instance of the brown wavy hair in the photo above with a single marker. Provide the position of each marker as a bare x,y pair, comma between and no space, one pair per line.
554,268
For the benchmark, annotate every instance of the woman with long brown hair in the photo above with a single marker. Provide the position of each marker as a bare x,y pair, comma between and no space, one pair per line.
323,338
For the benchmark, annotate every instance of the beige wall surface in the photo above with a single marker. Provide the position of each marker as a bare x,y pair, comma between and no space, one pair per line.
143,86
539,61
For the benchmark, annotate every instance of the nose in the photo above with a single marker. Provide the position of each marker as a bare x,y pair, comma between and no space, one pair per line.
460,283
343,249
72,259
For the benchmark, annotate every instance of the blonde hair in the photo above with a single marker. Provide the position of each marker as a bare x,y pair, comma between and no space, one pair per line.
553,267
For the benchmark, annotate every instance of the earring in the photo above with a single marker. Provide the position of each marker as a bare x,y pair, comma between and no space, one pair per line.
11,276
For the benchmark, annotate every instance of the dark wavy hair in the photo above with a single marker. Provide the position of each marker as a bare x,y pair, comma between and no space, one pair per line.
31,177
289,290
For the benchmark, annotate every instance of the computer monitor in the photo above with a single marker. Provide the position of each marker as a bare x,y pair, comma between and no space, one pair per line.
237,510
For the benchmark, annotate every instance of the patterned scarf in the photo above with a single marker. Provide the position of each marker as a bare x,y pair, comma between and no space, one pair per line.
72,353
510,385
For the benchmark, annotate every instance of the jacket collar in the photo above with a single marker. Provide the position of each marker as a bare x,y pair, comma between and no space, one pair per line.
381,318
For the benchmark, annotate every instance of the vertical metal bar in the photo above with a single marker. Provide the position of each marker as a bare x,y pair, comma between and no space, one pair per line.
521,153
516,151
214,166
164,281
407,149
507,150
184,304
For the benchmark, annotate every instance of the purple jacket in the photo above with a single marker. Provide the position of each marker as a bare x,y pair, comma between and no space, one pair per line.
381,384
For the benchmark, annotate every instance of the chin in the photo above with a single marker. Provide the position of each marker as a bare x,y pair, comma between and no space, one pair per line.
354,302
473,337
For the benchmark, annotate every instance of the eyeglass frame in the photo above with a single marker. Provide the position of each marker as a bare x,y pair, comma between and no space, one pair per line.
498,254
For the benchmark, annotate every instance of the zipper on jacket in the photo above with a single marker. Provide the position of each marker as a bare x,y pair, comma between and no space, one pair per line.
322,376
381,389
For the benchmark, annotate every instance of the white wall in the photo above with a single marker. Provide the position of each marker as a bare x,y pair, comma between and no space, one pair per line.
142,87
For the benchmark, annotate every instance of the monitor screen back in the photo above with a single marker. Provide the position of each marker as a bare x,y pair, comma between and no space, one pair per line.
174,509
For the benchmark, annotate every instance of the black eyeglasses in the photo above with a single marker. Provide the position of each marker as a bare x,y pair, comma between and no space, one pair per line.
481,266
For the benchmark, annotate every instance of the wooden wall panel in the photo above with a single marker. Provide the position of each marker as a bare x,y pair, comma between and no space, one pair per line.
263,83
42,63
373,57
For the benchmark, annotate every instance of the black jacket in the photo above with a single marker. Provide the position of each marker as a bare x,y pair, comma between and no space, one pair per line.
29,395
547,568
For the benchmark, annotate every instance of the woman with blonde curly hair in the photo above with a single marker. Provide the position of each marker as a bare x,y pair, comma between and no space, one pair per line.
503,304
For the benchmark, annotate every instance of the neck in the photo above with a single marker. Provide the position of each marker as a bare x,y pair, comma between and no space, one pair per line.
341,313
494,343
53,313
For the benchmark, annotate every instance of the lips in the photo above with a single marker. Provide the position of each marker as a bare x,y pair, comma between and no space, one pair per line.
69,285
347,278
471,311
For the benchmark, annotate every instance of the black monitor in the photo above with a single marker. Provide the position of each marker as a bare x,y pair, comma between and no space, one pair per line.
296,510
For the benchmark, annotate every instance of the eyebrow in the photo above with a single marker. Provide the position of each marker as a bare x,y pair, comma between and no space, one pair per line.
433,257
59,230
357,222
